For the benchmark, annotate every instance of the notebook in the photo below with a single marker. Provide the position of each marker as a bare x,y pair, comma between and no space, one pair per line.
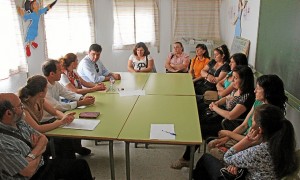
89,115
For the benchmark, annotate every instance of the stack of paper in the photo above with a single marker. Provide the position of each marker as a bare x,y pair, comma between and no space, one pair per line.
85,124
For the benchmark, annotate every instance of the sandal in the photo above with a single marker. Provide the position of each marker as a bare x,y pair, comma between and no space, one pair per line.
180,163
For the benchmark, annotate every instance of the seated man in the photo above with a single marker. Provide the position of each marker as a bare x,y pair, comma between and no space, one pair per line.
52,72
21,149
91,69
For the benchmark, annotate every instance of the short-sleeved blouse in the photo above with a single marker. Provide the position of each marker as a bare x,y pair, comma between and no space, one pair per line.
246,100
140,64
216,72
70,77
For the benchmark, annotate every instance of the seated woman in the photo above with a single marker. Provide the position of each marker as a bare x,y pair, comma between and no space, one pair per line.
214,71
237,105
224,87
267,152
32,95
177,61
72,81
199,61
269,90
140,60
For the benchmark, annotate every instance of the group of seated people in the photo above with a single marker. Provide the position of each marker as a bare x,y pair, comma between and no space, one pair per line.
258,137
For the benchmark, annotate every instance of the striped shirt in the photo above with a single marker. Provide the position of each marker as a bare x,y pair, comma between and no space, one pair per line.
13,151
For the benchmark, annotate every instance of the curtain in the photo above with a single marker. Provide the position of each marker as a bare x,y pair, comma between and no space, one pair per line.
11,47
69,27
135,21
199,19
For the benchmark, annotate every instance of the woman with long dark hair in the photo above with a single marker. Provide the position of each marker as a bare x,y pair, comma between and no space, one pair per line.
140,60
214,71
199,62
269,89
267,152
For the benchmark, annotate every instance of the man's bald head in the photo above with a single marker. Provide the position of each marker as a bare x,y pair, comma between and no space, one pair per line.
8,101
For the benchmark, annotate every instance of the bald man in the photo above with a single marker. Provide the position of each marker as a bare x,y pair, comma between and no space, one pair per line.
22,147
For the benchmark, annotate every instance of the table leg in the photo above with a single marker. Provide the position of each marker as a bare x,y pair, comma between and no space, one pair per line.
191,162
52,147
111,157
127,160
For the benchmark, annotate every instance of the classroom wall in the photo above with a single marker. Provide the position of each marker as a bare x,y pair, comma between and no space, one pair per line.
117,60
249,22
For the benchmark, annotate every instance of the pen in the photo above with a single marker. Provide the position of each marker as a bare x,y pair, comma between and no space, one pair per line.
169,132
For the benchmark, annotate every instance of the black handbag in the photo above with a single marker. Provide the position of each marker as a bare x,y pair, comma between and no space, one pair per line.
228,176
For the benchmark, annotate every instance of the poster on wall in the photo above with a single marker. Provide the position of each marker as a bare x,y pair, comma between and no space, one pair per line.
237,12
31,11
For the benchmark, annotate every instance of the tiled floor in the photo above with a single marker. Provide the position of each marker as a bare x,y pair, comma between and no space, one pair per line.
152,163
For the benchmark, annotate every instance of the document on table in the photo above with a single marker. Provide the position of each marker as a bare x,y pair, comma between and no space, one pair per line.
138,92
85,124
162,131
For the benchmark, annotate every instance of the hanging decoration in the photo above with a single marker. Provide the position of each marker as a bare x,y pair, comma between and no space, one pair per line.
32,12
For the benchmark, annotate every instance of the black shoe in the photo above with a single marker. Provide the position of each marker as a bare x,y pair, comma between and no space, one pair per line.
83,151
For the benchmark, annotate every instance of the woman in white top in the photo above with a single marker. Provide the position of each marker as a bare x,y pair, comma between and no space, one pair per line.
140,60
72,81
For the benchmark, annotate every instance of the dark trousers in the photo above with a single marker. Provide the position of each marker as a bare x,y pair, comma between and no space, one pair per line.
67,169
208,167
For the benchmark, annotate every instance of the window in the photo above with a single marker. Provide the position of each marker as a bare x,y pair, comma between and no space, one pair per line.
69,27
11,46
198,19
135,21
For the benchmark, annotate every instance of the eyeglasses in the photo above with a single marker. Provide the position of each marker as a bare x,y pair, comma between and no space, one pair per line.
21,106
97,67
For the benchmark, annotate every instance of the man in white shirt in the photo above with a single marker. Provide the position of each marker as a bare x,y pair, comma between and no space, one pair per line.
52,71
91,69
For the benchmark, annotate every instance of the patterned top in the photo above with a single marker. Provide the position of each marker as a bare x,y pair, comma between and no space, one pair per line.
70,77
246,100
13,151
257,160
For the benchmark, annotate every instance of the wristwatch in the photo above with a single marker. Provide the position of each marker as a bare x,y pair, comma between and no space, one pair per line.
32,156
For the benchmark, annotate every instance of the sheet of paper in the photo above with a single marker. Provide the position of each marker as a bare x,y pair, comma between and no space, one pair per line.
138,92
162,131
85,124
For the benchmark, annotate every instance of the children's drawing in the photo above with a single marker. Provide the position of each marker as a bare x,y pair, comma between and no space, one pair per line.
238,25
32,12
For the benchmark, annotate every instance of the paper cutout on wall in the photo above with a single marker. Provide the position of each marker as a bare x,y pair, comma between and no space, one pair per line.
32,12
238,24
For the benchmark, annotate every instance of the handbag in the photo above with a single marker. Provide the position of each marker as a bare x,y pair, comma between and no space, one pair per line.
229,176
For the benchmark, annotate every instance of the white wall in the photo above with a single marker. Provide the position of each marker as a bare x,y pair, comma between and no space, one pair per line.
249,24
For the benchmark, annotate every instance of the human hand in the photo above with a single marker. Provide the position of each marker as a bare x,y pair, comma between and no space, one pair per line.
254,136
99,87
221,141
223,133
232,169
34,139
212,106
88,100
68,118
116,76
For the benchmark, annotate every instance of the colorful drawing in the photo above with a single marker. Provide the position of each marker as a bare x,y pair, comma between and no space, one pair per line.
238,24
32,12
